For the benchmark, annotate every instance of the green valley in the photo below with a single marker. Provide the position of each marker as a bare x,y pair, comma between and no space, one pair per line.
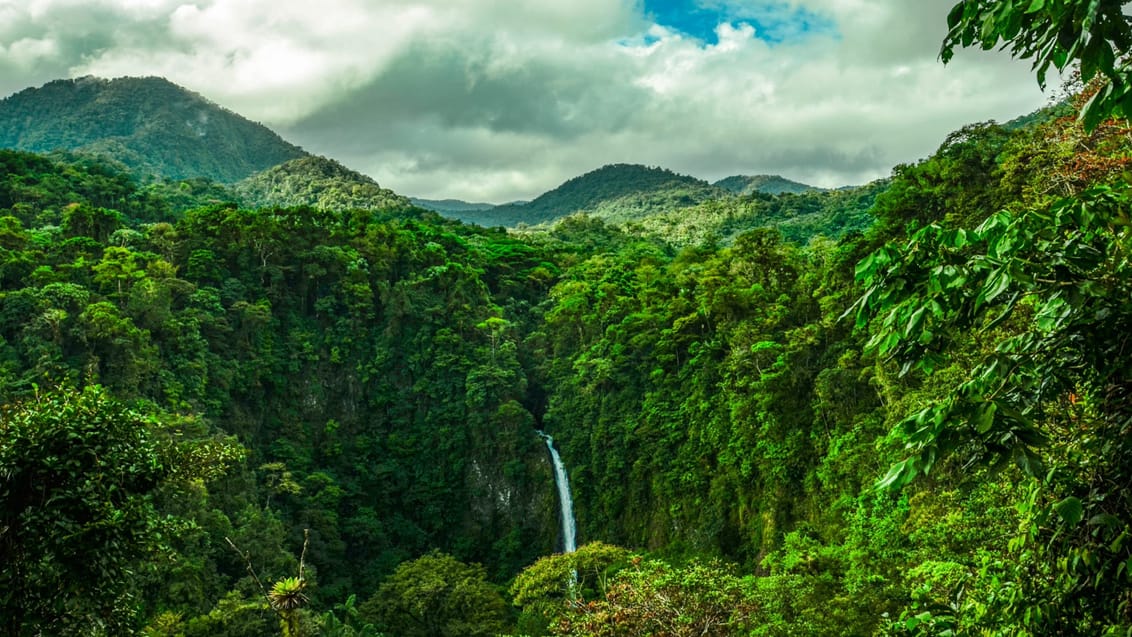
248,391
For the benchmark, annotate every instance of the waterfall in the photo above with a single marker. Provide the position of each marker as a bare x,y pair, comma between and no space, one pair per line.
569,529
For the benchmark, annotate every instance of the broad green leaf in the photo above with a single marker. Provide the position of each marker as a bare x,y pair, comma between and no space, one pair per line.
914,323
1070,509
996,284
898,476
1052,314
985,418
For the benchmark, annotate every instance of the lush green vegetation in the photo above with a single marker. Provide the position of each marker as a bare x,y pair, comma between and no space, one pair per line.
317,182
158,129
682,211
798,217
339,347
222,421
659,199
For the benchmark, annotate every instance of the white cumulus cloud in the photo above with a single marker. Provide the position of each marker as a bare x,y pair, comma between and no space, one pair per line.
503,99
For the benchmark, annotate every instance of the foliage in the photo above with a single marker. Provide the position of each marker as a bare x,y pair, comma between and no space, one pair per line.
350,624
769,184
387,369
437,596
546,588
1041,292
800,217
1064,272
1092,33
80,472
653,598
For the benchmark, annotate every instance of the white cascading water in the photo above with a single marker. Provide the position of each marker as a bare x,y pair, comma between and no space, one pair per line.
569,529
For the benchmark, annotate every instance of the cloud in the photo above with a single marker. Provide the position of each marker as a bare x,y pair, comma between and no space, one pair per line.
504,99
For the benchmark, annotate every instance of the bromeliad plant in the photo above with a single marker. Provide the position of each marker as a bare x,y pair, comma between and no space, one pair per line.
286,596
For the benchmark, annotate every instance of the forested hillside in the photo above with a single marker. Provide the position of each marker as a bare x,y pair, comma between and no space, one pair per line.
452,208
317,182
155,127
768,184
314,421
351,354
798,217
615,193
682,210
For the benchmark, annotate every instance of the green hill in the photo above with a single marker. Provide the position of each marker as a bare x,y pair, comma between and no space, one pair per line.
798,216
770,184
616,193
154,127
453,208
318,182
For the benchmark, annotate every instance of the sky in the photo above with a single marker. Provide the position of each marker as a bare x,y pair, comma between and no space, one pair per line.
498,100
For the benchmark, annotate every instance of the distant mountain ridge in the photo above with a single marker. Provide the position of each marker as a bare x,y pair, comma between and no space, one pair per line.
151,125
451,207
769,184
615,192
162,132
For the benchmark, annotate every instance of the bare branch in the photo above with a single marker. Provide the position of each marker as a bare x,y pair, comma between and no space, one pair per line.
251,570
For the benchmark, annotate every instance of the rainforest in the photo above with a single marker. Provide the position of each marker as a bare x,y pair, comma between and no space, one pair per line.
299,404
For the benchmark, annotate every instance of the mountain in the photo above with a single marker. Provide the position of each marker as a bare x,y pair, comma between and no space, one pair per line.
317,182
616,193
453,208
770,184
151,125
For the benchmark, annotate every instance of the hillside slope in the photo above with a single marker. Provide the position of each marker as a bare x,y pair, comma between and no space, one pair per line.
154,127
451,208
799,217
318,182
616,192
769,184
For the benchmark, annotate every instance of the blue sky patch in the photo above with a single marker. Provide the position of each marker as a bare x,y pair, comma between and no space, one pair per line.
774,21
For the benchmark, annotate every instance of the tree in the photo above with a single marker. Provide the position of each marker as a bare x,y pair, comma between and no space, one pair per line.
1059,33
547,588
78,472
653,598
1048,289
89,221
118,266
1042,293
437,595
